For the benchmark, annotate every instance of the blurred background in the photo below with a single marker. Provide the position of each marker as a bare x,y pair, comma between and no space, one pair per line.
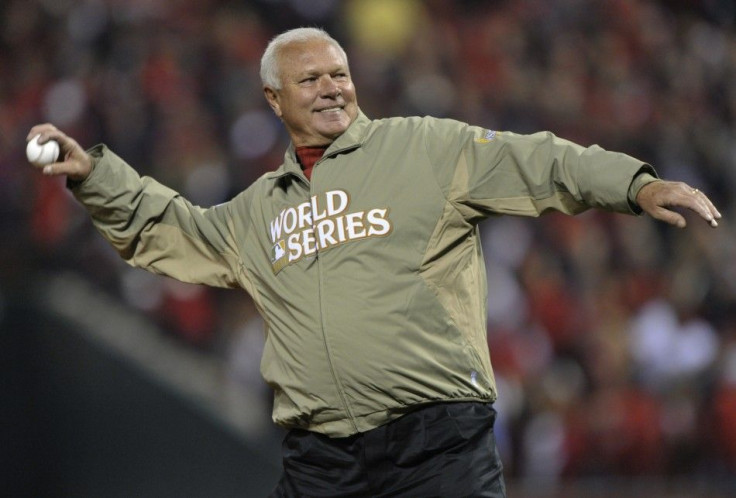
613,338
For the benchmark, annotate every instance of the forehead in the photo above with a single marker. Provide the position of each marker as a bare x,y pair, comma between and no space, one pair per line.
309,56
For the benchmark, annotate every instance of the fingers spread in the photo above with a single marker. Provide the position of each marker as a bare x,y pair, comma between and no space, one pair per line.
658,199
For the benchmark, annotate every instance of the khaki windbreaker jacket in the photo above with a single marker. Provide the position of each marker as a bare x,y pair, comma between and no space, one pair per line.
370,277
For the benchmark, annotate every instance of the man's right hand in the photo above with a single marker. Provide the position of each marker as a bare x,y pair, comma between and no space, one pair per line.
73,161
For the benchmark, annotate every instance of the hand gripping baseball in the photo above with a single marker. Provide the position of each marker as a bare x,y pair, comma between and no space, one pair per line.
73,161
657,199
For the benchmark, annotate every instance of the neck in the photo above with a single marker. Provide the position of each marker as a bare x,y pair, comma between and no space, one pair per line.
308,155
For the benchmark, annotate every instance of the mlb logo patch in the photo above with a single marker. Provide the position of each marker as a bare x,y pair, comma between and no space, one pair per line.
278,251
487,137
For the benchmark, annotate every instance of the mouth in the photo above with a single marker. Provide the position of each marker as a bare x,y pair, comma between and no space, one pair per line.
336,108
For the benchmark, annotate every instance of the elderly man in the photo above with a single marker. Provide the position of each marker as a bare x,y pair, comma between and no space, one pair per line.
362,254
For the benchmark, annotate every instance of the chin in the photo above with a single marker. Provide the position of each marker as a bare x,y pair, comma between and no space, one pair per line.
335,130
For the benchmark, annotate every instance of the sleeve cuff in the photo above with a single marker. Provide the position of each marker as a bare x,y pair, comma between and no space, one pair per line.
644,176
96,154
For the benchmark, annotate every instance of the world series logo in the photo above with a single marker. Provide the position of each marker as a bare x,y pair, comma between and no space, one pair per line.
320,224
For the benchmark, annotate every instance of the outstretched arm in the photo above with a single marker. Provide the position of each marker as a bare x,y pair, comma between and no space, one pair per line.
150,225
657,198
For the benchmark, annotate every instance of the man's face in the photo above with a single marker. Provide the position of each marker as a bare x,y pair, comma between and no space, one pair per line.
316,100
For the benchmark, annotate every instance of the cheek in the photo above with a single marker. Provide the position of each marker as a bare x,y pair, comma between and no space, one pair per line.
348,94
294,111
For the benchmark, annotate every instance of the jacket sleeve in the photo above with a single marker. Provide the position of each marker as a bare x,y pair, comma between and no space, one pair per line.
486,172
153,227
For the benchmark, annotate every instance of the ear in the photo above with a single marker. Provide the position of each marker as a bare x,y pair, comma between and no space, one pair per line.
272,97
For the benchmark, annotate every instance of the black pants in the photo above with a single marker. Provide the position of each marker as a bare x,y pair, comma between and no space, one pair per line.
443,450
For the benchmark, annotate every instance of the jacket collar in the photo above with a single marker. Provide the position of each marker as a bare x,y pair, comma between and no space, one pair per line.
352,138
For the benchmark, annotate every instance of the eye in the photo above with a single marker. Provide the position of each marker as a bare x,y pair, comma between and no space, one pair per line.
308,79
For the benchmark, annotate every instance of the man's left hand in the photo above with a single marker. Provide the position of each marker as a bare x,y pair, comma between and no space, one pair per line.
658,198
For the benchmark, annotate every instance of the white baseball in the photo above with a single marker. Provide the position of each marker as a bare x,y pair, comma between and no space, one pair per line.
41,155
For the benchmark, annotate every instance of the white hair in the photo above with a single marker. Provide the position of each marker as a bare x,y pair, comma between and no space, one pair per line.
270,75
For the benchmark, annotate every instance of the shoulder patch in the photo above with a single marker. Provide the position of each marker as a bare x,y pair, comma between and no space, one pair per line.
487,137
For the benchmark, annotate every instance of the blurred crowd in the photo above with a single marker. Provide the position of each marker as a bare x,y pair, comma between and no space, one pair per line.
613,338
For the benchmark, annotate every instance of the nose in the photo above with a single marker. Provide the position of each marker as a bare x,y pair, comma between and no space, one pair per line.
328,87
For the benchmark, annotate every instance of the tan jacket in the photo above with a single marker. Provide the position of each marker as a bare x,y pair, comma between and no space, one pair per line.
370,277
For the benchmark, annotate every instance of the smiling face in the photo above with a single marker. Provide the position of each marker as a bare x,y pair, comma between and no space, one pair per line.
317,99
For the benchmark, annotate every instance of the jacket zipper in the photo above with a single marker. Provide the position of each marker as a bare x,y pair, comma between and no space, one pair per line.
333,371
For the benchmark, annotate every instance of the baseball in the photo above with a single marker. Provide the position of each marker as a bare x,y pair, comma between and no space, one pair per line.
41,155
